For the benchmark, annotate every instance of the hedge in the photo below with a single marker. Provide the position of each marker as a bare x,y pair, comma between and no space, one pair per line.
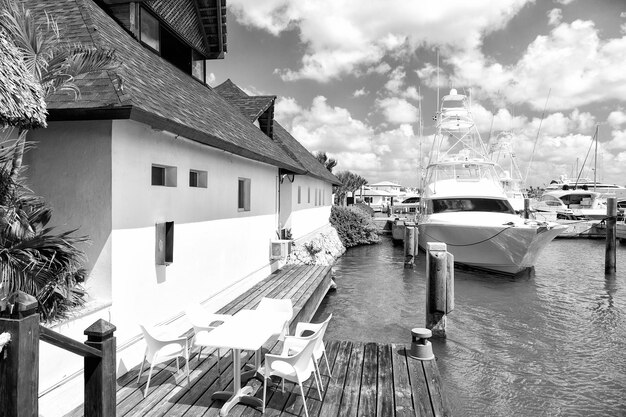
354,226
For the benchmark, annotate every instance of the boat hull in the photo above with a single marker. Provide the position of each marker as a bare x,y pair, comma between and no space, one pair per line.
508,249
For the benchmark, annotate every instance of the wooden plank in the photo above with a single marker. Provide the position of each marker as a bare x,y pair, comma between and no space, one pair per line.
313,400
350,401
402,386
164,398
419,388
435,388
335,389
332,351
384,389
367,399
249,298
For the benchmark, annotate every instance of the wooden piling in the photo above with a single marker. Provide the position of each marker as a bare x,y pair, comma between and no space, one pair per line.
411,247
527,208
439,287
611,233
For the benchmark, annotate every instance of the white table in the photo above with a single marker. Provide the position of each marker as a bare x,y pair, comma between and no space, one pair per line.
247,330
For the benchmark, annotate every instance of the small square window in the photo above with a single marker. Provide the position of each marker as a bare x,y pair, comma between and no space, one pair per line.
197,178
243,195
164,175
158,175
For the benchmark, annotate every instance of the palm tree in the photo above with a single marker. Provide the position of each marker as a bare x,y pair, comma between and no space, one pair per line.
34,258
54,64
329,163
350,182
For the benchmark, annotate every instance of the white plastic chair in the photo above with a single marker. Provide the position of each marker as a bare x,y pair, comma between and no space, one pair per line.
160,349
203,322
296,368
278,305
320,349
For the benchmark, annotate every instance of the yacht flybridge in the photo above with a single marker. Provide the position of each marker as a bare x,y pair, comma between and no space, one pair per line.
464,204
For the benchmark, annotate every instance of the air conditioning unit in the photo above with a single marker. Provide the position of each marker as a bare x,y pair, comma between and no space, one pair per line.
280,249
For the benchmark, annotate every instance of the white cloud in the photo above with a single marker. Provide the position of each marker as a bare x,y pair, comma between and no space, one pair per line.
360,92
555,16
572,62
381,68
396,80
564,2
381,153
343,37
616,118
398,110
357,146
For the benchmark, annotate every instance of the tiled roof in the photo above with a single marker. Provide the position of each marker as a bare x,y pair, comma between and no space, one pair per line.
246,105
181,15
251,106
152,90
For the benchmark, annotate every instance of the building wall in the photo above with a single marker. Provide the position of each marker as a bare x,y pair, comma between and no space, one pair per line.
308,212
97,176
215,244
71,168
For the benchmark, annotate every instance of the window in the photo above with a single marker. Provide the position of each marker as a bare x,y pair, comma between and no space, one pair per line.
299,194
149,30
308,195
164,175
197,178
158,37
470,204
197,66
243,195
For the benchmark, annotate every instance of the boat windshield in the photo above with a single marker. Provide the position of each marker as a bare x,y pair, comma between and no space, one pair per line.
491,205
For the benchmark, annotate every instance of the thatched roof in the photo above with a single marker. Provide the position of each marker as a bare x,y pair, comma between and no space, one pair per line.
21,97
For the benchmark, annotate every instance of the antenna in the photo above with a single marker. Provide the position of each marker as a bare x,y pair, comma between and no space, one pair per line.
437,112
537,138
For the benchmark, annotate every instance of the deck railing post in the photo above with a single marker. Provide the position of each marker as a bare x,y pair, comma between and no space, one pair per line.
100,373
19,360
410,244
439,287
611,233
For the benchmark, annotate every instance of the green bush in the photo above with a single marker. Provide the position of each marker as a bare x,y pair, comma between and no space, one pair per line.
354,226
365,208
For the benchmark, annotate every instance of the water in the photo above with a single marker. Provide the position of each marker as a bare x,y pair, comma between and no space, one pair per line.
551,343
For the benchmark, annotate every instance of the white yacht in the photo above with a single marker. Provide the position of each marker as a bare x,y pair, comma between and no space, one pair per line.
586,184
573,204
464,204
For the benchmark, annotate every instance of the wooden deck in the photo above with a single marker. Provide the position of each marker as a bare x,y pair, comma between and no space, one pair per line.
368,379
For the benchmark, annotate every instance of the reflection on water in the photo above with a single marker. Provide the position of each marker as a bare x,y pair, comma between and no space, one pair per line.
551,343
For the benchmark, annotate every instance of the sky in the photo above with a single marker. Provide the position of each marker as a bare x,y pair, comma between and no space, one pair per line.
350,78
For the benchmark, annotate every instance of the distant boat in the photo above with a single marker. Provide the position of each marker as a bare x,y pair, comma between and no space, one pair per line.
586,184
572,204
464,204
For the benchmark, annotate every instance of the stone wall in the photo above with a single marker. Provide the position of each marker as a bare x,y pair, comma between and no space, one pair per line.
320,249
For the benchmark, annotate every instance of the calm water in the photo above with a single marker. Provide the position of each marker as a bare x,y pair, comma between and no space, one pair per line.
552,343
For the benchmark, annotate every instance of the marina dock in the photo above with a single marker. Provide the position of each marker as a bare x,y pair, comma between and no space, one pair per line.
368,379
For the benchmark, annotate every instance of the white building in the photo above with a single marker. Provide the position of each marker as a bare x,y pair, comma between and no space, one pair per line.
180,192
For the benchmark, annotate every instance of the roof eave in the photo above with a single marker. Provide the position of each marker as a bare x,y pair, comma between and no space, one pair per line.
158,122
